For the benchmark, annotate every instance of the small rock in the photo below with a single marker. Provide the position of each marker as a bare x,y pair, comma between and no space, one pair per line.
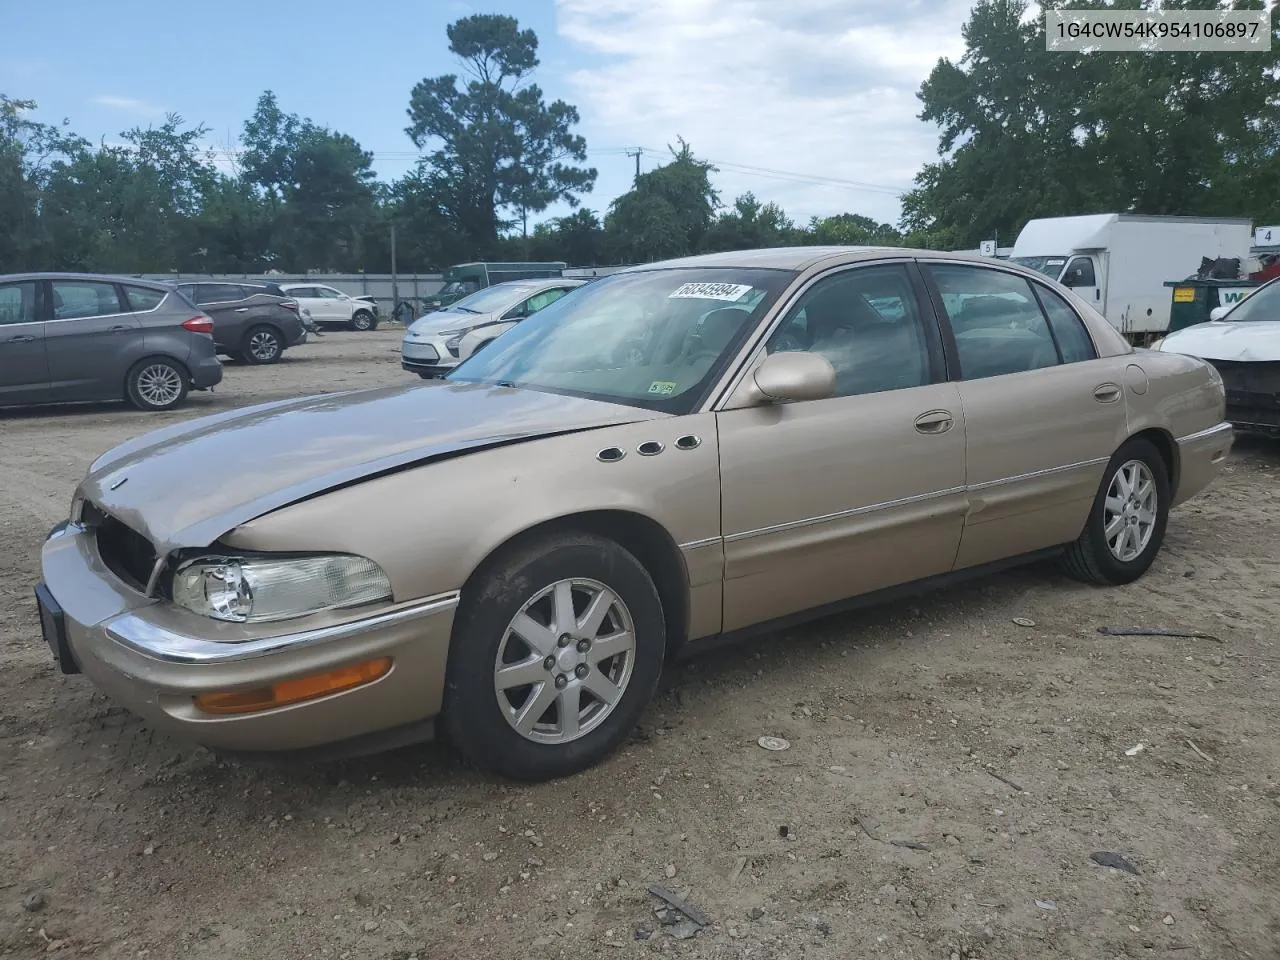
370,926
149,849
670,870
33,902
1063,765
1168,920
1024,621
755,913
1046,905
643,932
684,930
490,857
735,933
773,743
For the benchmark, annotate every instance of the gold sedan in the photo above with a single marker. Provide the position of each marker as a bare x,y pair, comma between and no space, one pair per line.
676,452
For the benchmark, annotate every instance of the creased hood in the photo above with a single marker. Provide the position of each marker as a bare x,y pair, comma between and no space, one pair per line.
1252,340
187,485
446,319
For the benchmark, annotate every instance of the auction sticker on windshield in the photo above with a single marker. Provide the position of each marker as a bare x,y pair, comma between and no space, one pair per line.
709,291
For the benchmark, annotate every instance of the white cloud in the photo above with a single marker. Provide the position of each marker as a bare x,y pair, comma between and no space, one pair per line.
818,87
127,105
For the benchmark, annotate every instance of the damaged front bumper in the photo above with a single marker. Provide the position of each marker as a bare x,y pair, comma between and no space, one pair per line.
1253,394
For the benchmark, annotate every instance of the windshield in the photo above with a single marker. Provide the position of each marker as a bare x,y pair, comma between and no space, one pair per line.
1262,304
1051,267
655,339
491,298
457,286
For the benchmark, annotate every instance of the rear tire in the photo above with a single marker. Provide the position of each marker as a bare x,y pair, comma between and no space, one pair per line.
263,344
581,618
1127,522
156,383
362,321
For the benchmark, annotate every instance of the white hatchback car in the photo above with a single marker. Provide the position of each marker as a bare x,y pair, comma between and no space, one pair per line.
433,343
329,306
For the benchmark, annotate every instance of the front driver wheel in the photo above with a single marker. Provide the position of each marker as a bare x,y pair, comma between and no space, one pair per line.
557,648
362,320
1127,522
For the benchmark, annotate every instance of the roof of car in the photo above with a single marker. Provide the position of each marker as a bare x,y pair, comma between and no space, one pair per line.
797,258
107,277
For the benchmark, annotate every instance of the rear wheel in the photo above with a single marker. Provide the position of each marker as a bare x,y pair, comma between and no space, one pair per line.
156,383
363,320
556,651
263,345
1127,522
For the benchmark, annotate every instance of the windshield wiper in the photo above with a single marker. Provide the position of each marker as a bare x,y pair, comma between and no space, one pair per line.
465,309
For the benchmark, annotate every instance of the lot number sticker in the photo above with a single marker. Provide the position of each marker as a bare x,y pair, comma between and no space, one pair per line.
710,291
663,388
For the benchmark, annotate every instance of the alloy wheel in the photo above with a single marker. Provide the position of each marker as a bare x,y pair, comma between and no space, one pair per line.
564,661
264,346
1130,510
159,384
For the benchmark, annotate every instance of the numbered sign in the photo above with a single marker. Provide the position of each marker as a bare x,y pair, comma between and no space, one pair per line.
987,248
1267,236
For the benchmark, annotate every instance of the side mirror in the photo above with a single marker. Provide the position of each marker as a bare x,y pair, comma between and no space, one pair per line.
786,377
1217,313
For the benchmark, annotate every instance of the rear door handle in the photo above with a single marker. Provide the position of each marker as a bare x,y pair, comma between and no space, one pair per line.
119,327
21,338
1106,393
935,421
242,309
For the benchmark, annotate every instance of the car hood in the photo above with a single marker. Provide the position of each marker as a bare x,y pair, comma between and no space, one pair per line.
1254,340
446,319
187,485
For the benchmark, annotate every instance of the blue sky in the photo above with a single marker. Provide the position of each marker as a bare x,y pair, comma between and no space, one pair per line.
809,102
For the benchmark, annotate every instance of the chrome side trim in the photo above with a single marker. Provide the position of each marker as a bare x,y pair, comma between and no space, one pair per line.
841,514
1047,472
1223,427
140,635
704,542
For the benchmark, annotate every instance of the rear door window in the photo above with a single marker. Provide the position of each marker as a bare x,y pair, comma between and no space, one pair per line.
75,299
1068,329
143,298
18,303
218,293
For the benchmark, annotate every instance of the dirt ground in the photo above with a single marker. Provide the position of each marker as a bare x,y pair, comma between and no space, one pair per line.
1001,751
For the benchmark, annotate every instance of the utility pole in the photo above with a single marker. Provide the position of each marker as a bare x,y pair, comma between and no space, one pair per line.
395,284
639,151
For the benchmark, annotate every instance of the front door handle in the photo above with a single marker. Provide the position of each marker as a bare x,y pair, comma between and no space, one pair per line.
1106,393
21,338
935,421
119,328
242,309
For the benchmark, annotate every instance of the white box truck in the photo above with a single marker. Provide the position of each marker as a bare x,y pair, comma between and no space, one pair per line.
1119,262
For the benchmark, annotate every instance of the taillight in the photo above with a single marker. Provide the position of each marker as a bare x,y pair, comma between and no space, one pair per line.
198,324
290,305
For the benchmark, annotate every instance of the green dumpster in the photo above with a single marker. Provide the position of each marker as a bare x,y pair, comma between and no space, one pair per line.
1194,300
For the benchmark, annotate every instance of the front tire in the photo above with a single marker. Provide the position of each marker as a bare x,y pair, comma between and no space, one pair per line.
263,344
557,649
363,321
1127,522
156,383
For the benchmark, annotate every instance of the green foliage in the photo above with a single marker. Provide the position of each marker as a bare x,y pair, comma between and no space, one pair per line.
493,131
1027,133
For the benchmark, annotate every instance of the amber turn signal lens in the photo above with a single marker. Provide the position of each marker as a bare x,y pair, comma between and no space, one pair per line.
294,691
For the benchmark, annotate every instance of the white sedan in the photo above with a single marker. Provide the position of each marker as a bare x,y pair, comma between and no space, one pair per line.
1243,342
329,306
433,343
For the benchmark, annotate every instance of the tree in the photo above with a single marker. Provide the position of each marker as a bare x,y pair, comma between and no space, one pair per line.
318,184
750,224
667,212
29,153
852,229
492,135
1025,132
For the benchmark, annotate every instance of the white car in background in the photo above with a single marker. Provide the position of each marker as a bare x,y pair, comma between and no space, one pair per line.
329,306
1243,343
432,345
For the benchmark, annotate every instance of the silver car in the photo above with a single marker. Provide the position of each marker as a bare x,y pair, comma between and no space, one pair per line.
431,344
